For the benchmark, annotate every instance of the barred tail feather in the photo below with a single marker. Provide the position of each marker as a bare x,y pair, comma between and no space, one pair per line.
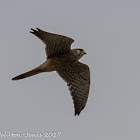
27,74
32,72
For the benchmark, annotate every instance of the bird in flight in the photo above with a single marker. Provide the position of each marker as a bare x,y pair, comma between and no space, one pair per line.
65,61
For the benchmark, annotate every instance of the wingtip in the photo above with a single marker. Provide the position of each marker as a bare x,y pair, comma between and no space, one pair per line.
38,29
78,110
34,30
77,113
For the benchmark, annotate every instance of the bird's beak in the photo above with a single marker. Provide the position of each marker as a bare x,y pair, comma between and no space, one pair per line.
84,52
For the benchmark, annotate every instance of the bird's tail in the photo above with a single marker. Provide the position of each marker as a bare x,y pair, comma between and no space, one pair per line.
30,73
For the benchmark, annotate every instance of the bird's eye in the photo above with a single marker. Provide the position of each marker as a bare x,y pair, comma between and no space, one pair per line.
78,52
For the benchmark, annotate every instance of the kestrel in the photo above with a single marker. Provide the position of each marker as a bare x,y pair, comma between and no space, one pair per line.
64,60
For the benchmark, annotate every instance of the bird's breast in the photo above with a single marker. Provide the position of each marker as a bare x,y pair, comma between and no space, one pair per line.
60,62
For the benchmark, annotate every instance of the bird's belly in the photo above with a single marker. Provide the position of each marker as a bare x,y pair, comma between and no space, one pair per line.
55,64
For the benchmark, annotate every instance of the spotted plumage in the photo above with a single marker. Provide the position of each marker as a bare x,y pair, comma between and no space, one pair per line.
64,60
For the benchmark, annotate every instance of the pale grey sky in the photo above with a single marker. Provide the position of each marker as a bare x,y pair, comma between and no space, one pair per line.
109,31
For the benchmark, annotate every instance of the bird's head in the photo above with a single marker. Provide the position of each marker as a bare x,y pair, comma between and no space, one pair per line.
78,53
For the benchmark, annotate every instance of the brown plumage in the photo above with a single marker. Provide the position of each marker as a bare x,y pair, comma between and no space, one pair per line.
64,60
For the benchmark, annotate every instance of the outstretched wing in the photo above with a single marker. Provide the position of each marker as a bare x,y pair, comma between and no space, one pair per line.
55,44
77,77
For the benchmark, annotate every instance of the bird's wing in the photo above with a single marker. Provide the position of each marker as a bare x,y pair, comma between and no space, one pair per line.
55,44
77,77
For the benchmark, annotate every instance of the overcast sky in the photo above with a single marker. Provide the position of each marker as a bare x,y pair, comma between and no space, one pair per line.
109,31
